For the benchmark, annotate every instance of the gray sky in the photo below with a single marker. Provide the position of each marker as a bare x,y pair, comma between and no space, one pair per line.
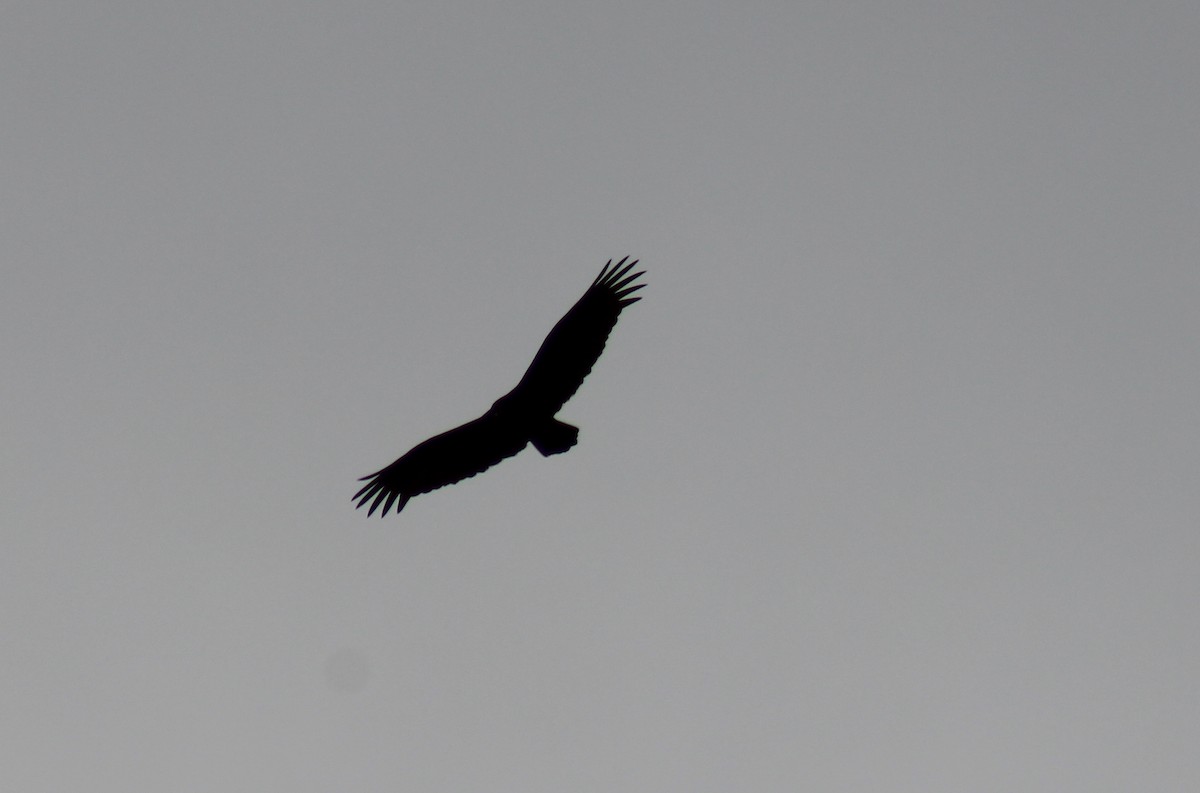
887,485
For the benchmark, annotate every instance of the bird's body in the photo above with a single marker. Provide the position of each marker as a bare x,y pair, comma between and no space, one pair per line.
522,416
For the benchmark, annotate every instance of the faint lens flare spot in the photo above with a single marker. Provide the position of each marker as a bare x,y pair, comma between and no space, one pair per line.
346,671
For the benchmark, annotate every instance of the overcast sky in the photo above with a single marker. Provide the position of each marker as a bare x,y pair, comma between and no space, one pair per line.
888,484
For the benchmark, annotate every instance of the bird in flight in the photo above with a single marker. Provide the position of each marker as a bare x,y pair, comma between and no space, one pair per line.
523,415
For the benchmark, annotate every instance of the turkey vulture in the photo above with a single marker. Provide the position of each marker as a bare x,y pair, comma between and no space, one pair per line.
523,415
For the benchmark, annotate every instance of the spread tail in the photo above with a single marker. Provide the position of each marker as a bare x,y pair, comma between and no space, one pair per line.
554,437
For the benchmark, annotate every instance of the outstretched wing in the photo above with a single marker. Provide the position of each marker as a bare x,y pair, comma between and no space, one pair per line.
442,460
571,349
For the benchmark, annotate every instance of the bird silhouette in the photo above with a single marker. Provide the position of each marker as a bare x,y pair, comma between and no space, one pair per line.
522,416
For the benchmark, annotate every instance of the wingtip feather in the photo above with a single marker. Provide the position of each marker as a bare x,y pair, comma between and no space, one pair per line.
378,499
626,281
603,272
619,272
